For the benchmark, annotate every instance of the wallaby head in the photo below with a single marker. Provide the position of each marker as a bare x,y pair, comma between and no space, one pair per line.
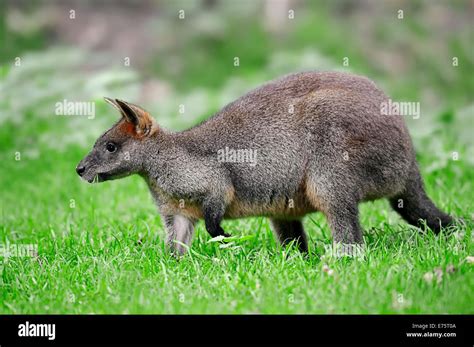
119,151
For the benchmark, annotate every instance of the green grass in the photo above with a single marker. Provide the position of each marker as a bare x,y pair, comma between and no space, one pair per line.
106,254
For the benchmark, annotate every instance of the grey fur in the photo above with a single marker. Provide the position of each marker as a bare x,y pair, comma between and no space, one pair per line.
322,145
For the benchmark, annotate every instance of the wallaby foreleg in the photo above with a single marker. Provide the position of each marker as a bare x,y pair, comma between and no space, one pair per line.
213,211
180,231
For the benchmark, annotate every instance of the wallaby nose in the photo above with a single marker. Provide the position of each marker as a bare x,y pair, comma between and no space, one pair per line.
80,170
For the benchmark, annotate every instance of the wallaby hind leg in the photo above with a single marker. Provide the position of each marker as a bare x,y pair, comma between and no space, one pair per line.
341,211
343,219
290,230
415,207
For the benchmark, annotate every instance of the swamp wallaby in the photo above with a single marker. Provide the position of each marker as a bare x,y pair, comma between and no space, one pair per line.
311,141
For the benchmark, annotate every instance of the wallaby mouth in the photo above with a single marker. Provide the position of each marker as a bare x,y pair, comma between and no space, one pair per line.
101,177
97,178
88,175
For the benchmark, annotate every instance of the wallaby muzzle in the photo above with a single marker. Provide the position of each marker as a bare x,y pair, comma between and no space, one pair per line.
86,170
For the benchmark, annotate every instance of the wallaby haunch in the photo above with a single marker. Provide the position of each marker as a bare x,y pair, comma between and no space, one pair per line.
319,142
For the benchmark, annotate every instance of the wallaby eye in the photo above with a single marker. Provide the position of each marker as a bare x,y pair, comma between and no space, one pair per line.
110,147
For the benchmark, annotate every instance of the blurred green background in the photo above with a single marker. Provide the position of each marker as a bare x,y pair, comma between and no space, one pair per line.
190,61
182,70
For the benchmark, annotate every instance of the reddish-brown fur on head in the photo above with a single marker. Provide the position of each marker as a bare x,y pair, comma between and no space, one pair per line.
119,151
136,121
127,129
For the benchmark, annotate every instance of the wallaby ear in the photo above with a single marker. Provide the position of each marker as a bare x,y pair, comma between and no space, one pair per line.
136,115
115,105
112,102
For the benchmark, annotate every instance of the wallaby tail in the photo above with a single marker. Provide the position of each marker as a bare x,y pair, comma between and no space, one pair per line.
416,207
